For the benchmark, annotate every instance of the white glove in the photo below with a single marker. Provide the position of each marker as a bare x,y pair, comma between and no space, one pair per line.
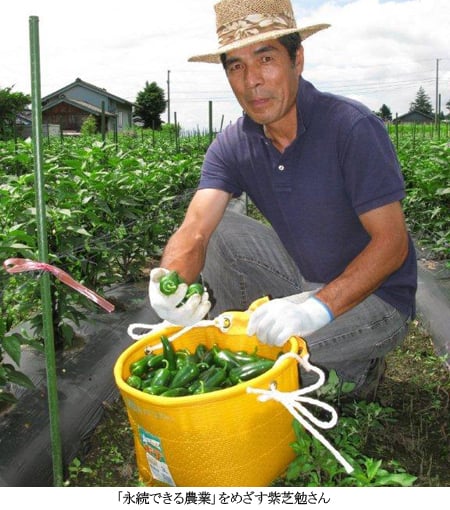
187,314
276,321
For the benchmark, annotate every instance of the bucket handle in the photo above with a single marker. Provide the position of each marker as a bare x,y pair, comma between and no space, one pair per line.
223,322
294,402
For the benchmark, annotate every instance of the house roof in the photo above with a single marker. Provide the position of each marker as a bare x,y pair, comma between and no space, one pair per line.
87,85
24,118
414,113
82,105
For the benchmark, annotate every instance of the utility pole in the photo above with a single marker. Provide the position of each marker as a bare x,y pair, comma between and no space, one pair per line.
436,113
168,97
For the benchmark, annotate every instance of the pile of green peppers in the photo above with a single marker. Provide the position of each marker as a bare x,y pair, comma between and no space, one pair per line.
176,373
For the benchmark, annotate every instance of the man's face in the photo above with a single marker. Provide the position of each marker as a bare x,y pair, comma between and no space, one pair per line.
264,80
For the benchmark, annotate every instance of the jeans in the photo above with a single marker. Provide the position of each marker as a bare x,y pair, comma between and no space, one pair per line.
246,260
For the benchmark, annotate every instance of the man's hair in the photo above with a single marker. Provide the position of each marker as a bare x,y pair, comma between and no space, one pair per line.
291,42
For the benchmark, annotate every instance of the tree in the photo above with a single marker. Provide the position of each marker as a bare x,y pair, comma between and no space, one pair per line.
385,112
150,104
422,103
11,103
89,126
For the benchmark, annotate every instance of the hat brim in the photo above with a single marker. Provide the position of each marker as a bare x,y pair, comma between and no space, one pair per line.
214,58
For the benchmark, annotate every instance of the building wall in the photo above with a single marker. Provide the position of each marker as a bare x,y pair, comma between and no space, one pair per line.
67,116
78,91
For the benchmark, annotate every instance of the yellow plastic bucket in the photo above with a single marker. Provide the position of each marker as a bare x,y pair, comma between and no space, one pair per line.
225,438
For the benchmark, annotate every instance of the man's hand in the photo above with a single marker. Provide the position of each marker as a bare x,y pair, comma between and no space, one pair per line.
276,321
169,307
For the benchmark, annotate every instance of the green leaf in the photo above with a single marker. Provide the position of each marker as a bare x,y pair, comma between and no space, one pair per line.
11,344
20,379
5,396
402,479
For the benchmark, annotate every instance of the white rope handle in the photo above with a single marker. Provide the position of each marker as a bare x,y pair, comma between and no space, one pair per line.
150,328
222,322
293,401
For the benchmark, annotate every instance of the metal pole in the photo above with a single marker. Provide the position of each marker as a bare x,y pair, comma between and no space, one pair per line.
103,122
210,115
43,252
177,141
436,113
168,97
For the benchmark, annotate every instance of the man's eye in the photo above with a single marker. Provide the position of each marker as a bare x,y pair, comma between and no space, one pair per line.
265,59
235,67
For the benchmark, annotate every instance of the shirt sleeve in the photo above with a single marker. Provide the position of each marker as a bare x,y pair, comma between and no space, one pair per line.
372,173
219,169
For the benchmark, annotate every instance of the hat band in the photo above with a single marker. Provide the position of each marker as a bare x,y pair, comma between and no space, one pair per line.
254,24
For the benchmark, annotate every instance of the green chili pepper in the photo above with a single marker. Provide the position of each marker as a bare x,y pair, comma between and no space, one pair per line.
155,361
162,376
215,378
201,351
175,392
210,390
194,288
169,353
146,383
202,388
250,370
186,374
184,356
139,367
244,357
208,358
134,381
155,390
224,357
139,370
195,386
207,372
169,283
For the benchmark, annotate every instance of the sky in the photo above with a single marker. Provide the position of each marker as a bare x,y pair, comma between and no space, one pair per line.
376,51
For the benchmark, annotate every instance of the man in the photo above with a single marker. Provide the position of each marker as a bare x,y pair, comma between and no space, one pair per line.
337,259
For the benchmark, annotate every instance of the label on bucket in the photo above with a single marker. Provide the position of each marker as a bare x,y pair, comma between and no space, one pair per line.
155,457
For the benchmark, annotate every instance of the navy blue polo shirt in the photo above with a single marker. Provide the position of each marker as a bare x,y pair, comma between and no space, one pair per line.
341,164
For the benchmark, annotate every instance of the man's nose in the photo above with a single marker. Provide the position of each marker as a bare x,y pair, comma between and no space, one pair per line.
253,76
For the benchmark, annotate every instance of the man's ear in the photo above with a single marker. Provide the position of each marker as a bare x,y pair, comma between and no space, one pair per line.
299,61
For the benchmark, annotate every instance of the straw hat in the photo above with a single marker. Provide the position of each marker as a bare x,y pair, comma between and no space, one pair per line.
241,23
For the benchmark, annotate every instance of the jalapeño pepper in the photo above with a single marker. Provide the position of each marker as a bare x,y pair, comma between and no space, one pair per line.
250,370
175,392
139,367
186,374
194,288
134,381
195,386
155,390
207,372
224,357
183,356
244,357
162,376
169,283
155,361
215,378
169,353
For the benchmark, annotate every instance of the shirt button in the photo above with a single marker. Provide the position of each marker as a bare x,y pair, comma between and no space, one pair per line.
280,168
